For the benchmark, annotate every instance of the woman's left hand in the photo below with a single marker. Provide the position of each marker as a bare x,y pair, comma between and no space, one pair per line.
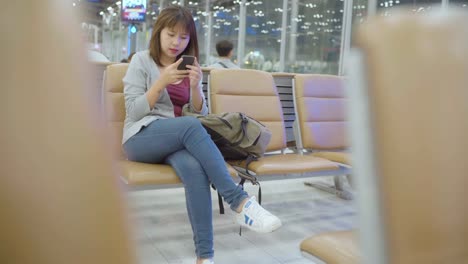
195,74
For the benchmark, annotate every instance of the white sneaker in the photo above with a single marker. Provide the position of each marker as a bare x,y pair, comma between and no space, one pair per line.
208,261
255,217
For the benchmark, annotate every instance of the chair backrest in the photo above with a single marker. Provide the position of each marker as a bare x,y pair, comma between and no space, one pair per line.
253,93
320,111
114,104
60,202
410,145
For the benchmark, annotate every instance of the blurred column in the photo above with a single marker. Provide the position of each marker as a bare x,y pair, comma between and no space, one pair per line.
445,4
371,7
283,35
141,38
120,44
345,35
95,30
132,30
103,29
112,37
293,35
209,22
241,38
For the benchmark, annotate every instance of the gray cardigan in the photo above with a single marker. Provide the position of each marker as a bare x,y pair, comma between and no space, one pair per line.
141,74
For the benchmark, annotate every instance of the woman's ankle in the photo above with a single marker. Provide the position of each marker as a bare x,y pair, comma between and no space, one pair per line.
241,205
201,260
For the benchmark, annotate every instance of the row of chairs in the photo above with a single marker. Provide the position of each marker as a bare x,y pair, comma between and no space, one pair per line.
319,101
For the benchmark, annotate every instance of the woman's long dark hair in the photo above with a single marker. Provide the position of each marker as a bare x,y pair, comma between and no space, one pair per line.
171,17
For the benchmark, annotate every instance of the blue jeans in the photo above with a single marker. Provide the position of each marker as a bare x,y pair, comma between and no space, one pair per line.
184,144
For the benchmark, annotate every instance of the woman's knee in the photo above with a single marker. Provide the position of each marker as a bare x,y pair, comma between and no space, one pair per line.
188,168
191,122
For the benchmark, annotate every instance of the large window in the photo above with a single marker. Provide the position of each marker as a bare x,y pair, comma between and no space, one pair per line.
359,12
215,20
460,4
385,6
224,26
262,35
311,43
315,31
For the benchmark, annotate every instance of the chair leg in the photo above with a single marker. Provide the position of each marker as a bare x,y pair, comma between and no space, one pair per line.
339,189
350,181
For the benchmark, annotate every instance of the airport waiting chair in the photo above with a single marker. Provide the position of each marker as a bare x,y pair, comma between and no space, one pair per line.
340,247
408,130
320,125
254,93
134,174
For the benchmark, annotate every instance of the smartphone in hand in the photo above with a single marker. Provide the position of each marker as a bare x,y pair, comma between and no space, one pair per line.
186,60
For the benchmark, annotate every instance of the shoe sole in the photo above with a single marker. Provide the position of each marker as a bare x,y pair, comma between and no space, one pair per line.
271,229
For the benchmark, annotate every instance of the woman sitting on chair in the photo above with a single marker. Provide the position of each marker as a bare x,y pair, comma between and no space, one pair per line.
155,132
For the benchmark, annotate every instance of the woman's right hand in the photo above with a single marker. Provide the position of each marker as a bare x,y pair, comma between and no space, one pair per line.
171,75
167,76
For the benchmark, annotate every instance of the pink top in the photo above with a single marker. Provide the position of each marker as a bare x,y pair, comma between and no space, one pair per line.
179,94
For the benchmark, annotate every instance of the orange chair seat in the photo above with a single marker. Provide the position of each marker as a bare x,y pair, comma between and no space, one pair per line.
289,163
340,157
138,174
333,248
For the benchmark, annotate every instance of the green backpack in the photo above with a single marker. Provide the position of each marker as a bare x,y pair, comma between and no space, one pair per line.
238,137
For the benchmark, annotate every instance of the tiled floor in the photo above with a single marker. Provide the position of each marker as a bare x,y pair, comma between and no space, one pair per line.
163,233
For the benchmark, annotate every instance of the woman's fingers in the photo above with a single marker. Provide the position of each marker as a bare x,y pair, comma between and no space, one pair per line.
182,73
194,72
175,64
195,65
195,69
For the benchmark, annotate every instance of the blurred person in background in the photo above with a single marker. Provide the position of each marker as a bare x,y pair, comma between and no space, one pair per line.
96,56
129,59
225,50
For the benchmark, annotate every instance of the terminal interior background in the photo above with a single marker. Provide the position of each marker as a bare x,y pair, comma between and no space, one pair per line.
316,39
271,35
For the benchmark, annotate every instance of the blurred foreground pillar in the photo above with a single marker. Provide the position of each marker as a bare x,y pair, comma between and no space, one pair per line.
409,114
59,200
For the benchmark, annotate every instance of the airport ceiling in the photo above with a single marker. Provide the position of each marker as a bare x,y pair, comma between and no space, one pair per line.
91,8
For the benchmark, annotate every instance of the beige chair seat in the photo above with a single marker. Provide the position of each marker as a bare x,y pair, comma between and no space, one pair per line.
340,157
137,173
289,163
333,248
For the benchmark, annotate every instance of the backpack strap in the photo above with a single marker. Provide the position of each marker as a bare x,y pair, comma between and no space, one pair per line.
220,203
220,200
245,175
222,64
244,128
